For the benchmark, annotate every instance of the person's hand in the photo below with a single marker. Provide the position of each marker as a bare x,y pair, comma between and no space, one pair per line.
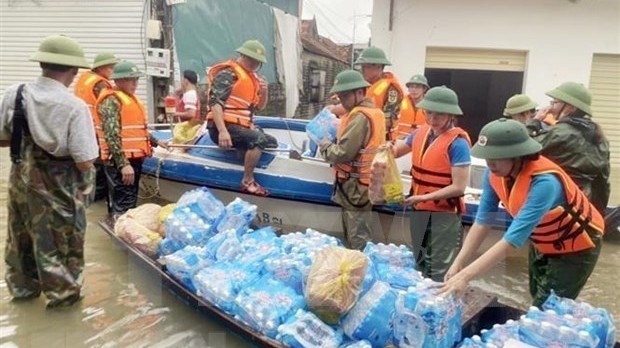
542,113
456,285
262,82
128,175
224,140
453,270
411,200
163,143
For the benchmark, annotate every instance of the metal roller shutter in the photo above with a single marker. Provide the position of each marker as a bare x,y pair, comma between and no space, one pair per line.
605,88
475,59
99,26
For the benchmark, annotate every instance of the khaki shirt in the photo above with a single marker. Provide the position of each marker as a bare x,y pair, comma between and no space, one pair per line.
353,139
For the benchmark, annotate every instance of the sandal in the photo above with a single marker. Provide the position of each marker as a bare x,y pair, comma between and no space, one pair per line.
254,188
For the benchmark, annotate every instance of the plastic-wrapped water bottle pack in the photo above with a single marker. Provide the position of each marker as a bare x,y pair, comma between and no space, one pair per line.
357,344
390,254
424,319
266,305
309,242
221,282
323,127
371,317
185,263
202,202
306,330
290,272
187,227
237,215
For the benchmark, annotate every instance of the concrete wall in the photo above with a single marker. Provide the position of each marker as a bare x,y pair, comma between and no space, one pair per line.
560,36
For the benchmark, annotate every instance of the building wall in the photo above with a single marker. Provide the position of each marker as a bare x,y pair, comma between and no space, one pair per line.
559,36
306,108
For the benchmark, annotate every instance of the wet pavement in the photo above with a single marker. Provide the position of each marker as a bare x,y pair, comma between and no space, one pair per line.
125,306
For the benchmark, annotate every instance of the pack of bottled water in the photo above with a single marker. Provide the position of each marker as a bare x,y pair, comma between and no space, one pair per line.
263,235
187,227
259,253
398,277
546,334
202,202
324,126
289,271
371,317
185,263
306,330
237,215
602,320
357,344
266,305
424,319
168,246
311,241
500,334
390,254
221,282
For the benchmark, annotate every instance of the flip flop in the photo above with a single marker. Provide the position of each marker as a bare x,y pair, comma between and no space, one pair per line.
254,188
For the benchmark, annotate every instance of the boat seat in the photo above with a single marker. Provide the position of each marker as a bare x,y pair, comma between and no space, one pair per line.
230,156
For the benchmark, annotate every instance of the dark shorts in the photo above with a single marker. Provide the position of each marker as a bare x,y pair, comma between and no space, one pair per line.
244,138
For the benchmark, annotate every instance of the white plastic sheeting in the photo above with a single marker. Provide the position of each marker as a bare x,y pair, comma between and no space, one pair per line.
288,58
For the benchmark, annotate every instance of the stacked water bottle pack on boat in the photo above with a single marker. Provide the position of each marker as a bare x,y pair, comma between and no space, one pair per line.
561,323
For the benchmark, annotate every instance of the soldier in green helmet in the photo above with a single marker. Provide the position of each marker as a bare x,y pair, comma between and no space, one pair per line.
574,135
520,108
440,172
411,116
124,141
53,147
88,86
236,92
547,208
360,134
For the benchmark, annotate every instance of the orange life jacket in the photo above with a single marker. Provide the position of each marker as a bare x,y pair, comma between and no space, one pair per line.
410,118
180,106
243,98
562,229
359,167
85,88
134,134
431,169
378,91
550,119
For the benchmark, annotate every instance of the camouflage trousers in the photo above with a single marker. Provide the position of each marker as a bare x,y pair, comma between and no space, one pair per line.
46,225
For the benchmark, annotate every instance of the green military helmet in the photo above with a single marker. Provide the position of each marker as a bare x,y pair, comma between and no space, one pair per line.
348,80
418,80
60,50
373,55
126,70
517,104
504,139
103,59
253,49
575,94
441,99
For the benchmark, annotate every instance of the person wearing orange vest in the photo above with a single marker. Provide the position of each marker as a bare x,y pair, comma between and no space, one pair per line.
360,134
188,103
385,89
439,175
547,208
89,85
124,140
235,93
410,115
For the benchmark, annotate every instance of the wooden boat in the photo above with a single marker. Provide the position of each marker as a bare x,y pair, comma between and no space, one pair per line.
300,184
481,309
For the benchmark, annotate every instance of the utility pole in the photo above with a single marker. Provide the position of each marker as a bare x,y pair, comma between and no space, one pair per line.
353,36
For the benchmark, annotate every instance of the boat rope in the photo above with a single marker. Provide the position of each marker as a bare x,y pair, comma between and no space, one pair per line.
290,135
152,191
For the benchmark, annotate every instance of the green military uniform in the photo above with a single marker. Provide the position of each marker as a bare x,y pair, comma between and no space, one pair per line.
574,145
350,194
48,195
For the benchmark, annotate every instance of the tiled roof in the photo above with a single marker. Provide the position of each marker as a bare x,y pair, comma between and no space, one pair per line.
320,45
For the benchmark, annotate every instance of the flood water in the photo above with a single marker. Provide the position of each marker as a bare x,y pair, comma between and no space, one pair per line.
124,306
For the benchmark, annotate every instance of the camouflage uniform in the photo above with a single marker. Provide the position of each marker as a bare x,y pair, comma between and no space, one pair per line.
350,194
391,108
46,225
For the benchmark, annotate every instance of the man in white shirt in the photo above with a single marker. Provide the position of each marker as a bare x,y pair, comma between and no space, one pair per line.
188,106
53,147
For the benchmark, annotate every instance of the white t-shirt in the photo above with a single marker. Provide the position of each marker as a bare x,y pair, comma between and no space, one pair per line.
190,100
59,122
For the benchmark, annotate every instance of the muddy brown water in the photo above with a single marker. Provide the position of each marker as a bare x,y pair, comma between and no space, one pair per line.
125,306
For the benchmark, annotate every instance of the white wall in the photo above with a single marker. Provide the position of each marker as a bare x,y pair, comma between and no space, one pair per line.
560,36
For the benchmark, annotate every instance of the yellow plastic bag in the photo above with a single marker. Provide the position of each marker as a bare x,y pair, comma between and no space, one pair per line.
162,216
334,282
186,132
386,186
